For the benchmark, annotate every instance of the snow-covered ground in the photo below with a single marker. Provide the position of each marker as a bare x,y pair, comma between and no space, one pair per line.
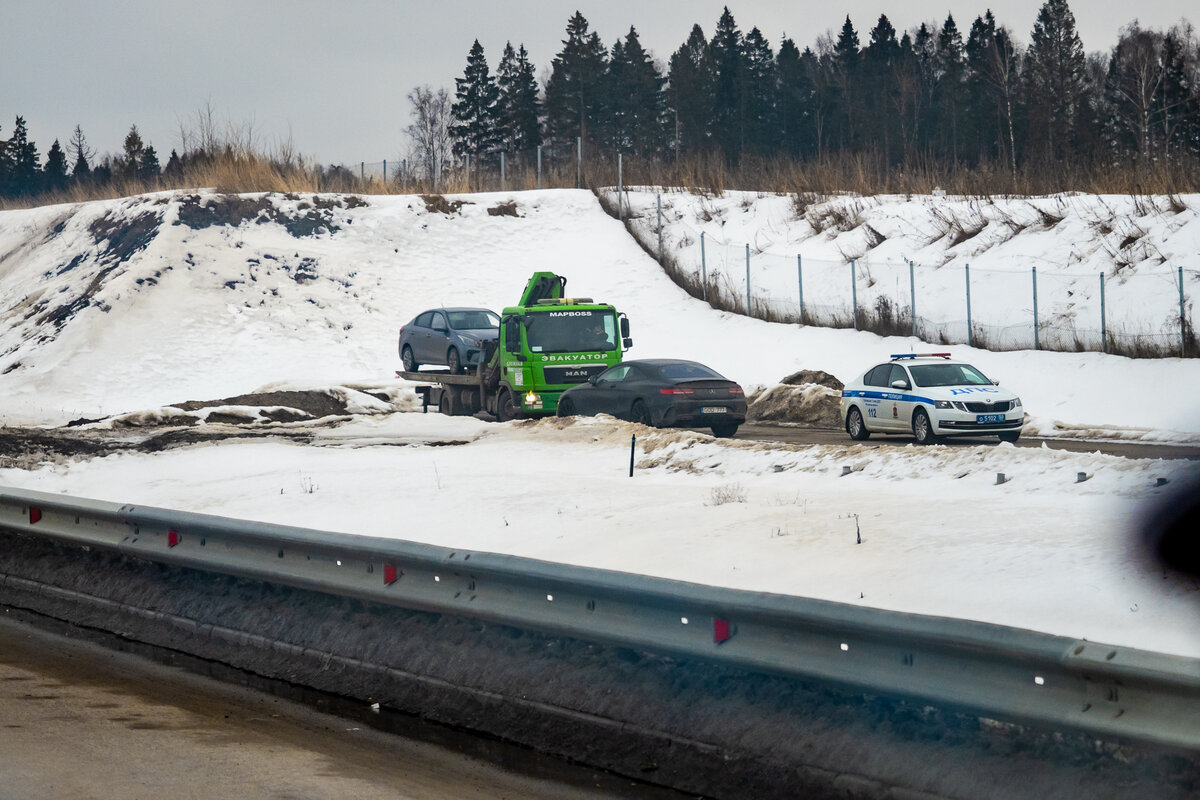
1138,244
113,309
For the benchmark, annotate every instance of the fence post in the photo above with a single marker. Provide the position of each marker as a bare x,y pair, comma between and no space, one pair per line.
703,269
539,179
503,175
578,162
1103,325
620,199
800,285
468,172
912,298
1037,344
659,200
1182,320
362,170
854,293
385,170
970,338
747,279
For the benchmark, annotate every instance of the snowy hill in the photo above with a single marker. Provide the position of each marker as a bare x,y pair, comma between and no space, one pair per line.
124,307
121,305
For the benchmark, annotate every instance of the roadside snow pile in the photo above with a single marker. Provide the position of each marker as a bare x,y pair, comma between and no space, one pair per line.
1138,244
121,306
938,536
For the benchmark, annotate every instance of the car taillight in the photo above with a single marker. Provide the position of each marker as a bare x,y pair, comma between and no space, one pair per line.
736,390
675,391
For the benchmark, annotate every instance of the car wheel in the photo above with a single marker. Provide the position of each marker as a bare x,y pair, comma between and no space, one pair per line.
1010,436
639,413
725,430
566,408
406,358
856,427
923,428
453,362
506,407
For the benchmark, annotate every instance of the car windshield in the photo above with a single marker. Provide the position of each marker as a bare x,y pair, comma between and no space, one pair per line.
571,331
477,319
689,372
947,375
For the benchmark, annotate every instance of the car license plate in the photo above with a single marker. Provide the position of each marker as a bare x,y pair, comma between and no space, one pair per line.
713,410
989,418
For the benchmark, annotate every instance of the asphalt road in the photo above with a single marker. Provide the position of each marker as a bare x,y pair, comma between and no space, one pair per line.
80,721
799,435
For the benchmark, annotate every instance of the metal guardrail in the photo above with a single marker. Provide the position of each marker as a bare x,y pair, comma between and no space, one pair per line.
999,672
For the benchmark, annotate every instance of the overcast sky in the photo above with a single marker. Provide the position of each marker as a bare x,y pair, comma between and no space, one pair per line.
333,75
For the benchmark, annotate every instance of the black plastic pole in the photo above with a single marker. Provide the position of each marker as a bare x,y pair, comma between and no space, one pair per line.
632,442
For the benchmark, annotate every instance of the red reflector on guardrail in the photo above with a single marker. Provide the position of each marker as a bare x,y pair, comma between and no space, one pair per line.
172,538
35,514
721,630
389,573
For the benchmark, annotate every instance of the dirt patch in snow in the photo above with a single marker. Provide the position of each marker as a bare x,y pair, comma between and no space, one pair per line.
309,405
309,218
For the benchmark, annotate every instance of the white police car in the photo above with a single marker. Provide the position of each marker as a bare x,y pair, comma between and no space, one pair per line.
928,395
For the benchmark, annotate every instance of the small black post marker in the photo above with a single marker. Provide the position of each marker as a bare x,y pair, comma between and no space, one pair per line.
632,442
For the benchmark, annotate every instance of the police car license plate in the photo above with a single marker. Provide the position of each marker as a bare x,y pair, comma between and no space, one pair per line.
989,418
713,410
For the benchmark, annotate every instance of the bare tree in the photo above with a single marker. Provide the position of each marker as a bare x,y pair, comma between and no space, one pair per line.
1138,70
429,131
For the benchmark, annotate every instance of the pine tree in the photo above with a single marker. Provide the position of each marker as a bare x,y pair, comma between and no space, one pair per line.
636,102
24,171
793,96
130,165
81,155
517,104
474,128
174,167
759,93
150,169
728,63
1055,79
949,95
690,93
574,101
880,61
55,170
846,59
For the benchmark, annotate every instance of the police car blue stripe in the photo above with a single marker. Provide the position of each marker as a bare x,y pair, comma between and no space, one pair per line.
887,396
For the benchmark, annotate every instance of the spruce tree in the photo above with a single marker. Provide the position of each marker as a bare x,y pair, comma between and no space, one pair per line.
81,155
174,167
636,102
690,94
1055,79
55,170
5,169
150,168
517,104
949,93
846,60
130,165
759,95
1181,92
474,127
880,61
574,101
24,171
793,96
728,63
980,105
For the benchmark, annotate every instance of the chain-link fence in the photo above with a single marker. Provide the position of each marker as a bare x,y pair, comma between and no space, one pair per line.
1141,313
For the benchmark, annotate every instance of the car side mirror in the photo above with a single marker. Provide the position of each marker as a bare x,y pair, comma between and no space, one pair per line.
995,383
593,379
901,384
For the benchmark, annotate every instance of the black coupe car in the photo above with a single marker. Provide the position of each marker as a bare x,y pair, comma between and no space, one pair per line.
662,392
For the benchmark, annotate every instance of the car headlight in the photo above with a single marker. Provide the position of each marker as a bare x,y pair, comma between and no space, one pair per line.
1016,402
470,341
945,404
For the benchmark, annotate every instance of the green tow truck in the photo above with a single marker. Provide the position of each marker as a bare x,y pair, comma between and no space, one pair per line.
548,343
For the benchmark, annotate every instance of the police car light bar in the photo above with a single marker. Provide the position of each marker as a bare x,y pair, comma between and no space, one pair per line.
895,356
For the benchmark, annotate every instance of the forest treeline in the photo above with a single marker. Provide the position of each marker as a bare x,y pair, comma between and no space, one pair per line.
970,108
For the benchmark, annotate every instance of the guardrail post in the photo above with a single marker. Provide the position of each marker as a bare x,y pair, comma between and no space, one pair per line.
853,293
1103,326
747,279
912,298
703,270
658,198
1036,338
385,170
967,272
800,285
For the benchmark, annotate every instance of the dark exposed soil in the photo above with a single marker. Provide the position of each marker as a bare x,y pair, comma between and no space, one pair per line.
310,219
